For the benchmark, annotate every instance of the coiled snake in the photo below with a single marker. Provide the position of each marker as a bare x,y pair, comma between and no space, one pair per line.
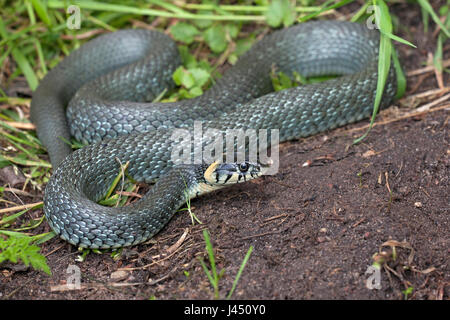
98,82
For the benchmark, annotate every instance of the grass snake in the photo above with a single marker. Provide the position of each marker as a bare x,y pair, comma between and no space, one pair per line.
99,93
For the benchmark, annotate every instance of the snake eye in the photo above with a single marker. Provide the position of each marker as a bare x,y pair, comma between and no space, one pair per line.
243,166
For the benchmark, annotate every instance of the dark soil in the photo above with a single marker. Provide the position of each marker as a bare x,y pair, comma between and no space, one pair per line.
314,228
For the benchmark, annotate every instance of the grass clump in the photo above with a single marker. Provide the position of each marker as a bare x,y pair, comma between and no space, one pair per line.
213,275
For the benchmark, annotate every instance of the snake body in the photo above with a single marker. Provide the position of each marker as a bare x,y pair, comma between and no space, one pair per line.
98,82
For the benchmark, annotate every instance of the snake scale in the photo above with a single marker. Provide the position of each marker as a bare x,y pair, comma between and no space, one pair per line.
99,93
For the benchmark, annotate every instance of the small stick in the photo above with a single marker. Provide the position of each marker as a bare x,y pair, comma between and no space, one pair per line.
17,208
21,125
427,69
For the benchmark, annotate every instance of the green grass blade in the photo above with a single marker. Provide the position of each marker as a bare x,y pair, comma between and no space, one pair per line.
210,251
208,273
30,13
109,7
427,7
15,138
243,8
398,39
21,60
24,162
26,139
41,11
116,180
101,23
384,22
213,276
40,54
327,8
361,12
437,59
30,154
238,275
168,6
9,219
45,237
26,68
401,79
439,54
425,19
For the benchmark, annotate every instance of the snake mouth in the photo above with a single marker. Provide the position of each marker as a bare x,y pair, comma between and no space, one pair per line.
228,173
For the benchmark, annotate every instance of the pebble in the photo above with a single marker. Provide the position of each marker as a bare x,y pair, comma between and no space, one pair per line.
119,275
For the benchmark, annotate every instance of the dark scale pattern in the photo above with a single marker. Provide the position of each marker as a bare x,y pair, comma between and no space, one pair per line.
98,81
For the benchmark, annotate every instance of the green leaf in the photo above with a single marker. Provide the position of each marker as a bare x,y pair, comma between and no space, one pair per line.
183,77
280,12
195,92
187,58
243,45
200,76
281,81
184,32
21,247
216,39
407,292
191,79
205,65
203,24
232,29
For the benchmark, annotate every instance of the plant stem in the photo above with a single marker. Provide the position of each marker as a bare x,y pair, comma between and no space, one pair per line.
197,6
99,6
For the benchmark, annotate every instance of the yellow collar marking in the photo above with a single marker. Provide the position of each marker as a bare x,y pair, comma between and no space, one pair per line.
208,173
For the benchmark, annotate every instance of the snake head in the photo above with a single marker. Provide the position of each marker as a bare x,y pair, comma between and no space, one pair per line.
233,172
